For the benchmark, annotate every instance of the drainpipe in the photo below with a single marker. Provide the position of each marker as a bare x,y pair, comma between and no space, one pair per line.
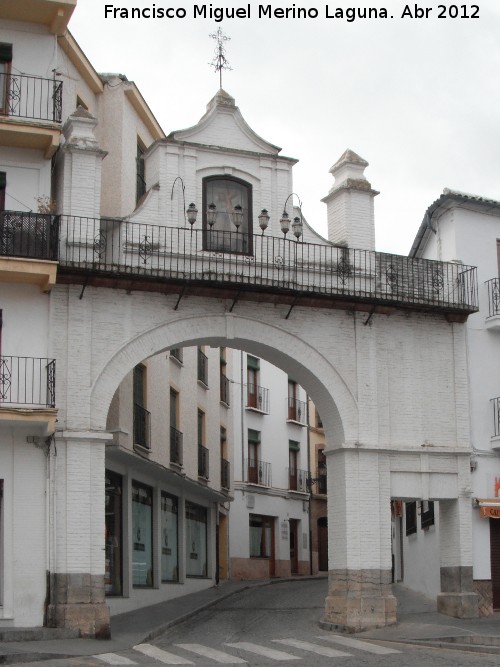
242,409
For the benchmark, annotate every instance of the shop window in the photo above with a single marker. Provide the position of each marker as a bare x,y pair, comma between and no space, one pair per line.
142,534
227,214
426,513
5,63
114,554
261,529
169,538
196,540
411,517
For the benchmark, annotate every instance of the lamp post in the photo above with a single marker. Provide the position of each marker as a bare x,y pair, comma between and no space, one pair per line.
191,211
297,227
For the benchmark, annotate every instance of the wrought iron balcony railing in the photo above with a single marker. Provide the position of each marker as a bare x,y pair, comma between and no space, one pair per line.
27,381
321,484
29,235
225,476
258,472
203,455
297,480
224,389
122,249
493,287
496,416
297,410
31,97
257,397
142,427
176,451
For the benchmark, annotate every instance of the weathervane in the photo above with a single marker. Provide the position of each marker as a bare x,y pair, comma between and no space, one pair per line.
220,61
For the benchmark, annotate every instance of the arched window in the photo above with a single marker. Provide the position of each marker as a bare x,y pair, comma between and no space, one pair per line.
227,214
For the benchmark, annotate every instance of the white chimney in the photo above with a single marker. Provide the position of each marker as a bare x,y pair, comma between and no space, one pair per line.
350,211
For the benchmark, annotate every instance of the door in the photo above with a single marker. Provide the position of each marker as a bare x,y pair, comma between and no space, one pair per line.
323,544
253,463
294,546
495,561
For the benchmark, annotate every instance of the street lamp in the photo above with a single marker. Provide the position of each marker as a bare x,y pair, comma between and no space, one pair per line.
191,211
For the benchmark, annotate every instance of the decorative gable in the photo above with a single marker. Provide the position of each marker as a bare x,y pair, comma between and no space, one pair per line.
223,125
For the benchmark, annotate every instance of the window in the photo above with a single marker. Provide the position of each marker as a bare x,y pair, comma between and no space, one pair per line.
202,367
224,380
257,396
202,450
140,171
113,547
227,214
261,536
426,513
292,400
3,187
175,434
169,538
224,463
293,449
411,517
5,63
196,540
142,534
141,415
176,353
253,455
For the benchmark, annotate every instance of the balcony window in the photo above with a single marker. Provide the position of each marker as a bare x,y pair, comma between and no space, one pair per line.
202,367
140,171
224,380
5,63
230,227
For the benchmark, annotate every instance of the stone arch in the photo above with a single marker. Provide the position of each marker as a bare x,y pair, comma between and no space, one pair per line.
311,369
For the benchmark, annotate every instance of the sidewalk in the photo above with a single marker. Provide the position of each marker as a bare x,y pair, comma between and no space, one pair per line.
418,621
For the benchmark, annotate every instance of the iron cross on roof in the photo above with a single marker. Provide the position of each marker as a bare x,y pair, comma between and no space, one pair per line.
220,61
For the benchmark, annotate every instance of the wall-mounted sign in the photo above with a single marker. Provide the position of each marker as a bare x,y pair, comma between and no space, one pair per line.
490,512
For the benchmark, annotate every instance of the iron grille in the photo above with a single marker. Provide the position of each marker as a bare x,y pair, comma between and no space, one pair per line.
32,97
225,476
493,287
202,367
257,397
203,454
258,472
496,416
296,410
224,389
176,449
27,381
142,423
297,479
33,235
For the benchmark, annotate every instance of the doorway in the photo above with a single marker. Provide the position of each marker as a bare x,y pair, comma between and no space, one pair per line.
495,562
323,544
294,546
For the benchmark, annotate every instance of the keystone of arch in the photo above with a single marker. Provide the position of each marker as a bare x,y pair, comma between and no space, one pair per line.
311,368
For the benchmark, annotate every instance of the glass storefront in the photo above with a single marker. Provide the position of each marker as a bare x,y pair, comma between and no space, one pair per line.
169,534
142,534
113,549
196,540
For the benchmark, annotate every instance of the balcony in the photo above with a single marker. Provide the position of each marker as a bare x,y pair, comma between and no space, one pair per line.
27,391
257,398
30,112
176,451
109,252
258,472
224,389
225,474
142,427
297,480
203,455
495,438
493,318
28,248
297,411
321,486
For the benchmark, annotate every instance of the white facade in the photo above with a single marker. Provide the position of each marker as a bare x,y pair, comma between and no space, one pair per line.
466,228
269,518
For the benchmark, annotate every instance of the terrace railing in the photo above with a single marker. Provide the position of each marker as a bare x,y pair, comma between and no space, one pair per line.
203,457
258,472
297,411
297,479
125,249
493,287
27,381
257,397
225,474
142,426
176,449
31,97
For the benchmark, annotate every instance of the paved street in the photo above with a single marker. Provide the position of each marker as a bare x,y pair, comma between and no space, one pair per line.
272,625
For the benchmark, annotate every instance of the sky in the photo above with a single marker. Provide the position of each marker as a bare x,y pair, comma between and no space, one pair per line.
418,98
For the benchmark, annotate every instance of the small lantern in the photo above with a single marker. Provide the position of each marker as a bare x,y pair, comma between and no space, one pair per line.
237,216
211,214
191,212
297,227
285,223
263,219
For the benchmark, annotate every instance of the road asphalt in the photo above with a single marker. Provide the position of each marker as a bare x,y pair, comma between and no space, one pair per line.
418,622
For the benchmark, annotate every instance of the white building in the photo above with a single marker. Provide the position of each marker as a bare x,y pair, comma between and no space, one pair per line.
269,518
132,276
465,228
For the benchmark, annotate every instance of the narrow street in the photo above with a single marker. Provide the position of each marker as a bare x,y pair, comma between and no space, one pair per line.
269,625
